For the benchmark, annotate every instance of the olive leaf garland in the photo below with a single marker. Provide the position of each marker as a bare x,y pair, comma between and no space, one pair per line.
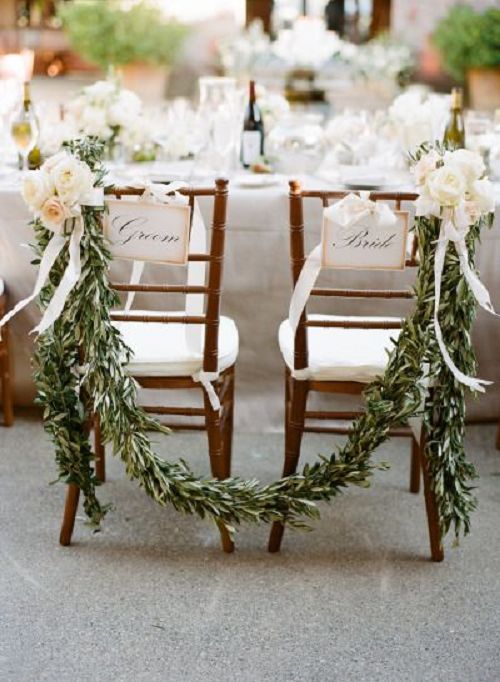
80,370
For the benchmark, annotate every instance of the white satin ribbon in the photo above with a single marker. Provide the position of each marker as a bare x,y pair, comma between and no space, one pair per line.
195,277
94,198
454,228
350,211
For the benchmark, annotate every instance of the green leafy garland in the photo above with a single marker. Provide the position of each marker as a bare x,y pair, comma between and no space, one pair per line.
72,386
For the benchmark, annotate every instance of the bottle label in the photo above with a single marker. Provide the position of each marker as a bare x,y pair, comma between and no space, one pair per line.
250,146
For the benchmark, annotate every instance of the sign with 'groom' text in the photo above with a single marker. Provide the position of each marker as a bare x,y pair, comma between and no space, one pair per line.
365,245
138,230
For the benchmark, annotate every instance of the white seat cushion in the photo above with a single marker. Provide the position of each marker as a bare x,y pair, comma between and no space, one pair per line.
2,286
160,349
340,354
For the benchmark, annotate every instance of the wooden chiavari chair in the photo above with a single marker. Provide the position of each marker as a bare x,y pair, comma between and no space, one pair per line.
302,345
7,393
219,353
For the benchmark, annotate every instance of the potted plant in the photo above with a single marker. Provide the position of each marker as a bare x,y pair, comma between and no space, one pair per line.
469,43
136,39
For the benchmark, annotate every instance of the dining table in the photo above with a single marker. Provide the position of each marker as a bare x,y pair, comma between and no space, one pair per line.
257,283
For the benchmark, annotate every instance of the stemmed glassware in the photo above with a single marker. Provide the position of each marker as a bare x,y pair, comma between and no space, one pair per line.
24,131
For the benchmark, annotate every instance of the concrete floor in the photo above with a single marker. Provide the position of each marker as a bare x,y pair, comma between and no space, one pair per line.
152,598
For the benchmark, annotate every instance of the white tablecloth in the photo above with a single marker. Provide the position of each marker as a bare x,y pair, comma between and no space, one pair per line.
256,293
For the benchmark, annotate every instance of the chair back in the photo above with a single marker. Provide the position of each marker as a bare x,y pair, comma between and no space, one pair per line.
211,288
298,257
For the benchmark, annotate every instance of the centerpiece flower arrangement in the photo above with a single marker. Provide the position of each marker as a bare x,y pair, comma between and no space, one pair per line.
111,113
416,117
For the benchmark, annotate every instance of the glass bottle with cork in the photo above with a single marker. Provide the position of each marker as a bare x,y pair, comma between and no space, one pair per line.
252,139
454,133
24,130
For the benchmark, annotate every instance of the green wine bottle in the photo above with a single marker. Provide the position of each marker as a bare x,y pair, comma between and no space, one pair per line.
454,133
28,114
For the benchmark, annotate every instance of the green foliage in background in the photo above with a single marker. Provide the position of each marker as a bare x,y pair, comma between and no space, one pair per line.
106,34
467,38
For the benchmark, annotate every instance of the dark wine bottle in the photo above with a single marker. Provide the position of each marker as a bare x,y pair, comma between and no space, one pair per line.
252,139
454,133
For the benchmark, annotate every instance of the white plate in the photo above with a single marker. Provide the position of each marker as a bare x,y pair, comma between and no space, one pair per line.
366,182
256,180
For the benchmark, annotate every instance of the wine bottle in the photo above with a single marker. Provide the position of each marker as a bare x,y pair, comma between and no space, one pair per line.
252,139
454,133
26,126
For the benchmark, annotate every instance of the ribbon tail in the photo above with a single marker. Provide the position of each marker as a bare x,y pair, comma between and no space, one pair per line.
135,278
305,283
471,382
205,379
52,251
68,281
195,303
481,293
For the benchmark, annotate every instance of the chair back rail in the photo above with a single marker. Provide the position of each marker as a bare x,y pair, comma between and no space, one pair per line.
212,288
298,257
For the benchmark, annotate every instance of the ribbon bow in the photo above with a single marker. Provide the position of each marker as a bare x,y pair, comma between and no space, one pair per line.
73,229
351,210
454,228
169,194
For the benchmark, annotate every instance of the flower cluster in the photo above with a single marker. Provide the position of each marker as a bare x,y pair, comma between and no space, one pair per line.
453,180
418,117
105,110
57,189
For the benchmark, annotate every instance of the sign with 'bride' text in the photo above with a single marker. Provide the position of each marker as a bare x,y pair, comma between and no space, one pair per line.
138,230
366,245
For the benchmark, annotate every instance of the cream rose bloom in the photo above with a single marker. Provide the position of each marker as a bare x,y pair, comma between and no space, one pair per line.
469,163
53,214
446,185
72,180
37,188
483,196
425,166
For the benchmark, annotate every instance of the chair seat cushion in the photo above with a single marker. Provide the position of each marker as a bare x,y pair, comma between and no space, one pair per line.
341,354
160,349
2,286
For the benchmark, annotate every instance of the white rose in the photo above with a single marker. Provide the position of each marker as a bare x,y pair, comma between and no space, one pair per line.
125,110
470,163
93,122
72,179
52,161
100,91
446,185
53,214
483,196
425,166
37,188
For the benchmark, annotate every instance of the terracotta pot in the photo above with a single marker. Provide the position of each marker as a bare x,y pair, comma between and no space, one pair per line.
484,88
146,80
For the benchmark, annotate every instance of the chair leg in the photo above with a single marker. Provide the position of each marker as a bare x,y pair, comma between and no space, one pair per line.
70,508
212,421
437,552
415,467
7,395
497,442
294,428
227,435
100,451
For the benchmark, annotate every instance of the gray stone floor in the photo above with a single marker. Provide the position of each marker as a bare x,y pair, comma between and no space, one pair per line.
152,597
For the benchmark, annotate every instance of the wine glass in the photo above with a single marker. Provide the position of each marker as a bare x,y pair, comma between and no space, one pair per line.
24,131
